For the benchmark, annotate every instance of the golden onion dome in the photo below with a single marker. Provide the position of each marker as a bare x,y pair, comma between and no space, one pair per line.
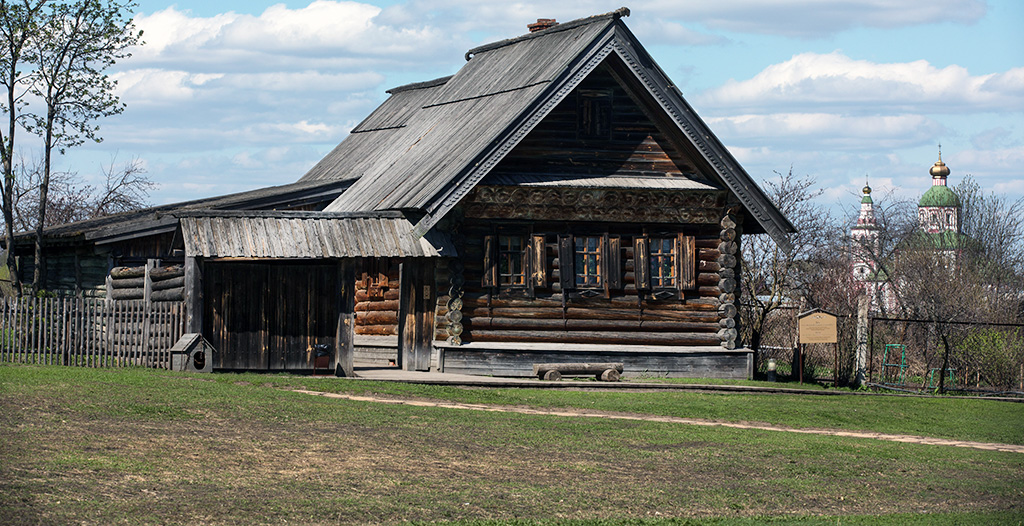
939,169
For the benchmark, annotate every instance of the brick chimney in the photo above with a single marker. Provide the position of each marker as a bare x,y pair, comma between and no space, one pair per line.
542,23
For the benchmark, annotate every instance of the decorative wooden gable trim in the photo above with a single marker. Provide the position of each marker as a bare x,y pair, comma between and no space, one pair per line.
671,101
594,204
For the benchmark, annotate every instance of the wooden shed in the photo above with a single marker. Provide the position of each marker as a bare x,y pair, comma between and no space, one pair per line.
556,200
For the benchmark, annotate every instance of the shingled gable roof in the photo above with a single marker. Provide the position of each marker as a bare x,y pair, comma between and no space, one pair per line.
425,159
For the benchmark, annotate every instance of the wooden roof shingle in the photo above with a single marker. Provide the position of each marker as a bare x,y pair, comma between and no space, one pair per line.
305,235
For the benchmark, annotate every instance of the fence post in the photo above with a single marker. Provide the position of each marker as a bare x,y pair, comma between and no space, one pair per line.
863,303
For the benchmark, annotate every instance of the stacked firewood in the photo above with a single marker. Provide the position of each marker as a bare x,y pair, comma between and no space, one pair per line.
164,283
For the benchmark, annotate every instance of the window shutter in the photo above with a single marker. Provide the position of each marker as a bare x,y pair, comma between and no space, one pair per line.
686,255
538,261
614,263
566,258
642,263
490,277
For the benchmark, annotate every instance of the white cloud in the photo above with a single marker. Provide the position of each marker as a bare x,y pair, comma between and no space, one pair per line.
834,80
658,30
813,18
801,18
305,38
156,86
825,130
1002,160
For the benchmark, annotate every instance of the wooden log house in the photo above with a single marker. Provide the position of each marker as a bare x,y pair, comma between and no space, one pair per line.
556,200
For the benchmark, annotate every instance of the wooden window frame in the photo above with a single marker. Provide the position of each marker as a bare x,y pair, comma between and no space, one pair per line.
609,256
594,114
656,255
534,262
512,279
597,255
684,265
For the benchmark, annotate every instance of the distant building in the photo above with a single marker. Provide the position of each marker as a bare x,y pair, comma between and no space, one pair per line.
939,217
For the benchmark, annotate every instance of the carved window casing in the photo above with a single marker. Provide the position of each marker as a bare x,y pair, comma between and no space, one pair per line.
665,266
515,261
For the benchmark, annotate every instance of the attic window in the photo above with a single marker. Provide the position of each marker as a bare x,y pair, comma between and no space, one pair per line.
594,114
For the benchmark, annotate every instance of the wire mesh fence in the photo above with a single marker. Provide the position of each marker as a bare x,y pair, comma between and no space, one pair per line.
903,354
926,355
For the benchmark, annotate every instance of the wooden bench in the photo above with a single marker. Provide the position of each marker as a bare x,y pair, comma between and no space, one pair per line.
606,372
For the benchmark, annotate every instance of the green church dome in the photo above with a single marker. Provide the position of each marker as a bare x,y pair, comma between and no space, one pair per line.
939,195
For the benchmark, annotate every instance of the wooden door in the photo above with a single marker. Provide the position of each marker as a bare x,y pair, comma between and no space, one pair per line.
416,314
268,315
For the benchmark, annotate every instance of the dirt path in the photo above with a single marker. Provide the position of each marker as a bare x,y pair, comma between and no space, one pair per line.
1011,448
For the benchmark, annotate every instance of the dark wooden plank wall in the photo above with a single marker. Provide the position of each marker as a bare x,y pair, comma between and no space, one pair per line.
267,316
635,146
141,248
69,271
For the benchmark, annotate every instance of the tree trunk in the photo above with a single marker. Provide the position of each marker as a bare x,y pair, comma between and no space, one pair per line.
8,188
39,275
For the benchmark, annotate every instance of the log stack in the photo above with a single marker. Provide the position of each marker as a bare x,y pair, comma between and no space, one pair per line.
376,302
729,275
166,283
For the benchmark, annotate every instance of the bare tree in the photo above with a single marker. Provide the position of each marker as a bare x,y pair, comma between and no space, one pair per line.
125,187
772,277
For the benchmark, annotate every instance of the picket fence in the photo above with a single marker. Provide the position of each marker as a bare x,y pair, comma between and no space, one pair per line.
89,332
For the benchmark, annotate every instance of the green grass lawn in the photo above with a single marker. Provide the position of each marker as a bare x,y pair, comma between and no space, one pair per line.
963,419
140,446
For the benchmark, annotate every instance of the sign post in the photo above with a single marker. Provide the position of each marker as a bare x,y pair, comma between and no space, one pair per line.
817,326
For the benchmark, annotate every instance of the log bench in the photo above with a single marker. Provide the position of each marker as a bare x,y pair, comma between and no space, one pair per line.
606,372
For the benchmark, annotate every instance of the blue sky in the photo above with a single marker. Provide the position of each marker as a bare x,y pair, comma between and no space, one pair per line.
230,96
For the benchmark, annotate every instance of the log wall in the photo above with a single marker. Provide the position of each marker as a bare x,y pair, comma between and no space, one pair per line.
377,294
69,272
619,316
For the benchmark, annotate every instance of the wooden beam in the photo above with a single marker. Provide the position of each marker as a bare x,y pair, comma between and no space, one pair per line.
345,338
416,314
193,295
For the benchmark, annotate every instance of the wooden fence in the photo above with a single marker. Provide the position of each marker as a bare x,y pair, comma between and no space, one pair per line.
89,332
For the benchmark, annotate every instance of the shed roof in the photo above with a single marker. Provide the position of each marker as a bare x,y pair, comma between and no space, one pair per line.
306,235
161,219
